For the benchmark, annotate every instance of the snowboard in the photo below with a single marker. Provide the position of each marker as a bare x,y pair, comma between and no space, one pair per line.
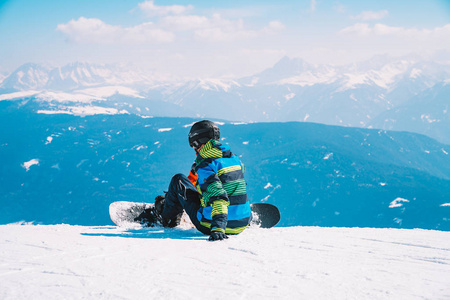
131,214
265,215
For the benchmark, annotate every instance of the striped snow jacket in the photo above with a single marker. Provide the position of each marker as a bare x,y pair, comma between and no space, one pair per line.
225,205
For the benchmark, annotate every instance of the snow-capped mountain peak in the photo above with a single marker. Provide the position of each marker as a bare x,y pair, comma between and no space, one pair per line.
383,77
291,90
284,69
217,84
29,76
80,74
72,76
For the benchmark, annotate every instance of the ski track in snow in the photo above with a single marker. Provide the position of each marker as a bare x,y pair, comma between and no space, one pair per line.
77,262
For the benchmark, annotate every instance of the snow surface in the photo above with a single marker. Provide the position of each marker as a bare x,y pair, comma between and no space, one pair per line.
82,95
108,91
84,111
15,95
309,79
67,97
49,140
398,202
76,262
28,164
164,129
216,84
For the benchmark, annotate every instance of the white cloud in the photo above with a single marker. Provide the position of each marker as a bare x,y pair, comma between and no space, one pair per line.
92,30
364,29
217,28
151,10
211,29
360,29
224,34
371,15
275,26
185,23
362,40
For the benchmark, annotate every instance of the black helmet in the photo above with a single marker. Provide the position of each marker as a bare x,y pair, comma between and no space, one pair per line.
201,132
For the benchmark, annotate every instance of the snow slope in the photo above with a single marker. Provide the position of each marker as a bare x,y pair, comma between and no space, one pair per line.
76,262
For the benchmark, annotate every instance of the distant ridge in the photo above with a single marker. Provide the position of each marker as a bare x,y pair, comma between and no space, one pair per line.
383,92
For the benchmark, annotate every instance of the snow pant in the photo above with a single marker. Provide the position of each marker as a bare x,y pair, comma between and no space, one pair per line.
182,195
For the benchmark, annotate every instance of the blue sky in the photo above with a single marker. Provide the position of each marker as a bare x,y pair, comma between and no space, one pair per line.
217,38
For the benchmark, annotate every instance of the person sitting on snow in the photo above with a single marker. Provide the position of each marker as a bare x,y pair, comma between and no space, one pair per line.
214,194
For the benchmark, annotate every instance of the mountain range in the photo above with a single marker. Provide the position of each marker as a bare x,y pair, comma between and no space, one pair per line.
406,93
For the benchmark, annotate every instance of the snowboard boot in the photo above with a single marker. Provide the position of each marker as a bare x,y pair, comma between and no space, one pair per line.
159,207
148,218
152,216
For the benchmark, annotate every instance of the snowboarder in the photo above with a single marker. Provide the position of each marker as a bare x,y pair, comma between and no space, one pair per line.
214,194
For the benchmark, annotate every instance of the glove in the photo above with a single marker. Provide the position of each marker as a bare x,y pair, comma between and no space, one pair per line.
217,236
